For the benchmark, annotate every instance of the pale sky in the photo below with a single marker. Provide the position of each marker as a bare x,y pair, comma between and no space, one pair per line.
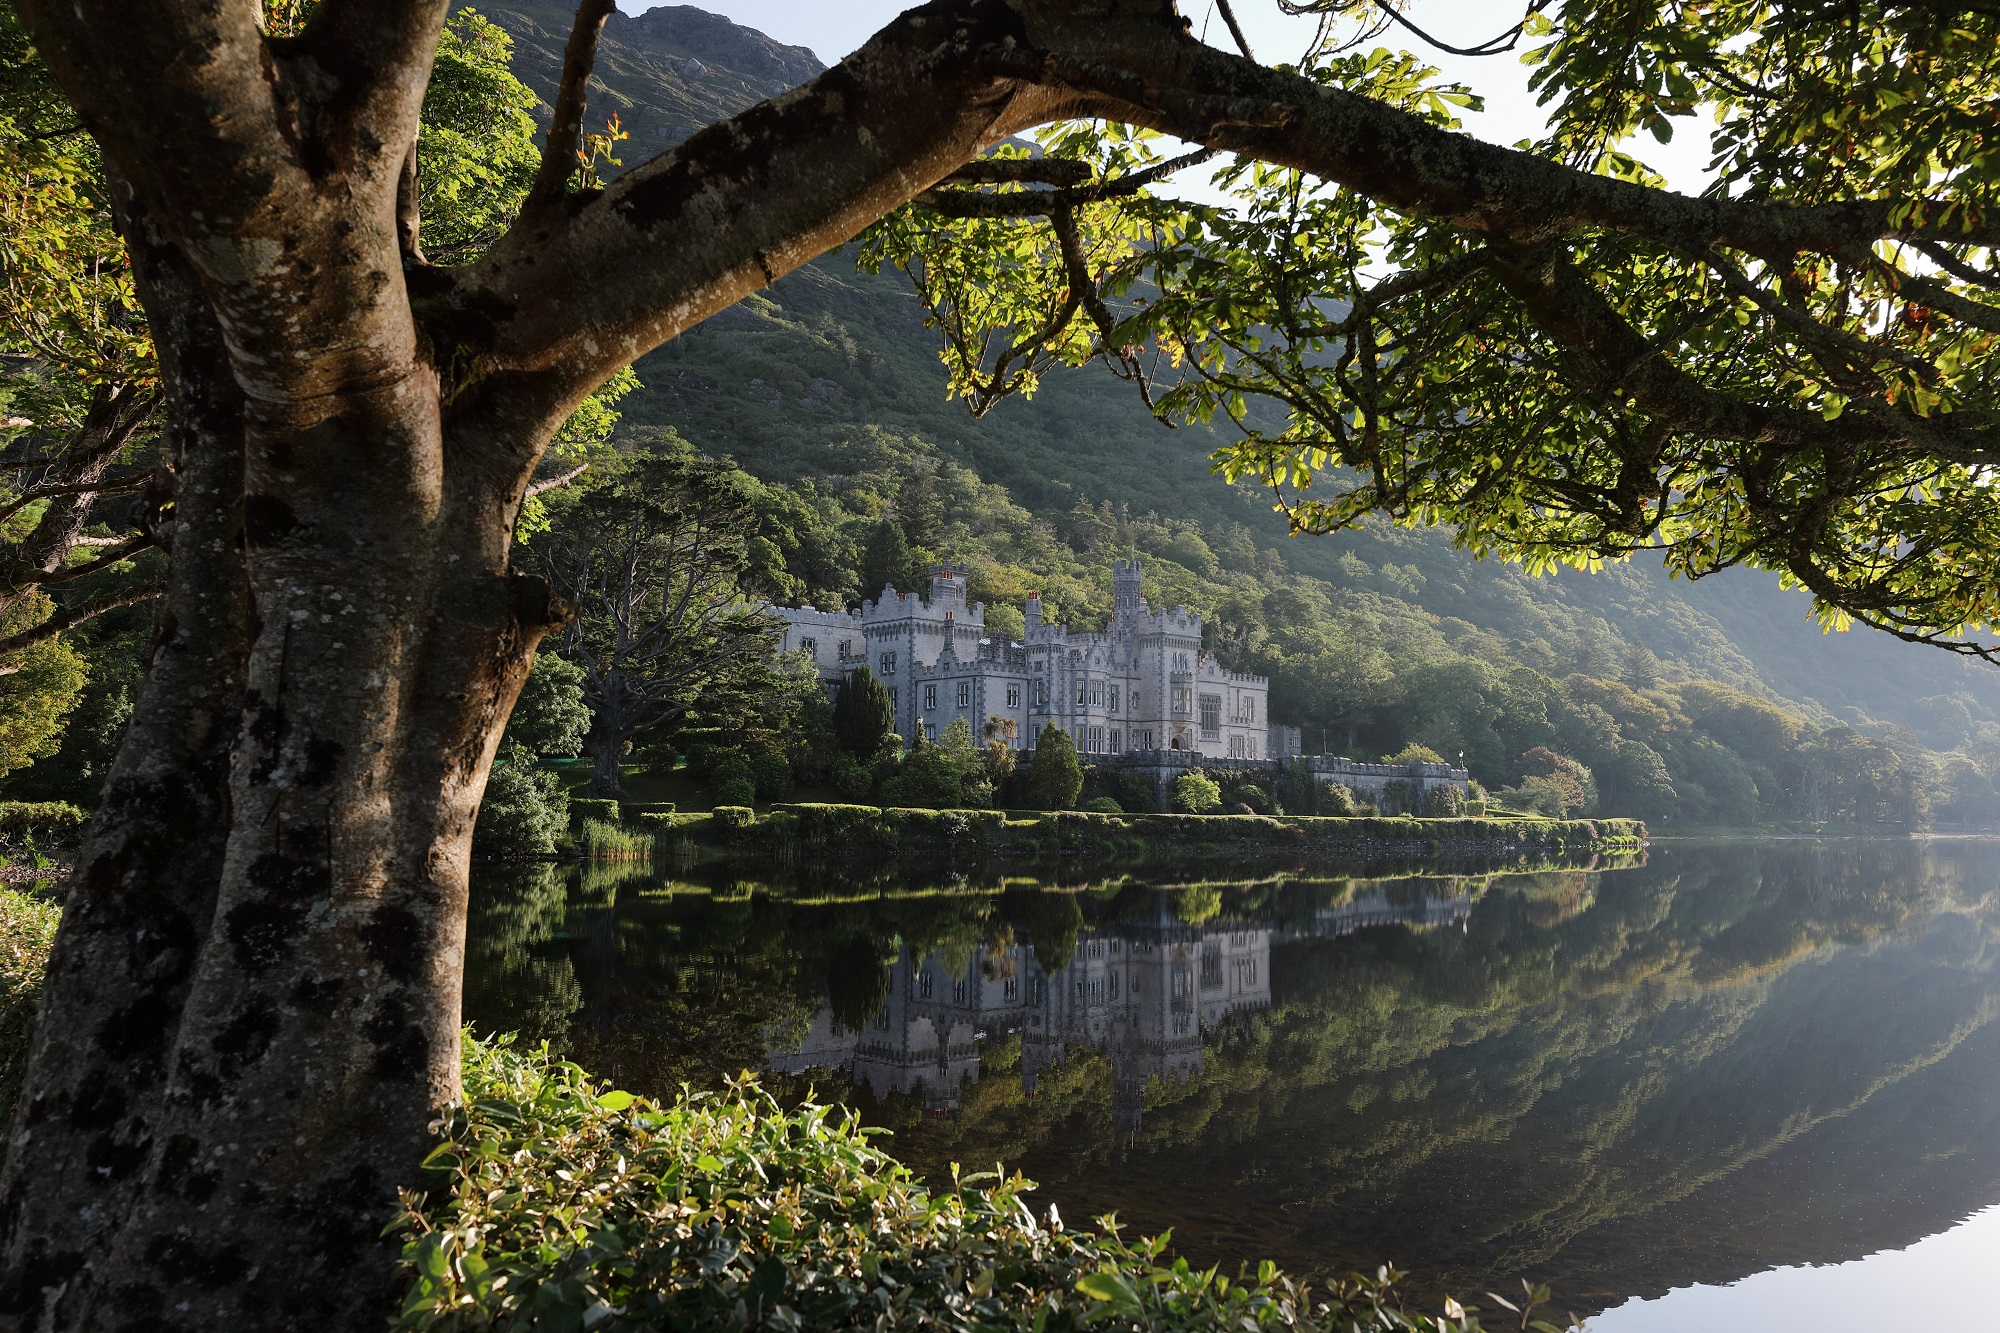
832,28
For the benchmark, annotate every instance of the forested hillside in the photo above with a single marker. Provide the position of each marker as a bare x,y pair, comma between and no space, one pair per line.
829,384
1711,703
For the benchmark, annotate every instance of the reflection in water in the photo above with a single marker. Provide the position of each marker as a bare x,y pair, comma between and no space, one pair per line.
1142,990
1725,1061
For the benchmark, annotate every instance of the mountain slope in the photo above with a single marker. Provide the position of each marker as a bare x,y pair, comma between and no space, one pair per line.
832,364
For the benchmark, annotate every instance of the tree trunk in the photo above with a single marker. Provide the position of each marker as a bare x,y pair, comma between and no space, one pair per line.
144,892
605,744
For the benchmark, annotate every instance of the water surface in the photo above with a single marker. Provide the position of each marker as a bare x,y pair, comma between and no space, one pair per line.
1727,1061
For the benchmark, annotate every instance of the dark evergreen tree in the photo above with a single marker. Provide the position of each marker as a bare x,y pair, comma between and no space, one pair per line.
862,715
1055,778
886,561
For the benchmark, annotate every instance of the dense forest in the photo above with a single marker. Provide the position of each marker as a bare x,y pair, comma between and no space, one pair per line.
824,405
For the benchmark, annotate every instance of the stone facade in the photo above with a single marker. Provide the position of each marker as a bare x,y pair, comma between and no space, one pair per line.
1143,991
1144,684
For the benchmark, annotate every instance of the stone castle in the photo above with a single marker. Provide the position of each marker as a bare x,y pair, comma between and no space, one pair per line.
1143,685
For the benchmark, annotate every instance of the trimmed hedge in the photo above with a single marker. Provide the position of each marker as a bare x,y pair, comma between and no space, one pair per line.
555,1205
40,823
600,808
819,830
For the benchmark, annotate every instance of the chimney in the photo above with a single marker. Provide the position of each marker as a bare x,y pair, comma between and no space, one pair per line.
1032,612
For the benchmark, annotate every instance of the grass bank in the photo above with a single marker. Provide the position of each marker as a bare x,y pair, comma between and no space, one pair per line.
819,831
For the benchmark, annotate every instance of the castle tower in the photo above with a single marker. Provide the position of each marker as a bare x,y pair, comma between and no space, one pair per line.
1125,579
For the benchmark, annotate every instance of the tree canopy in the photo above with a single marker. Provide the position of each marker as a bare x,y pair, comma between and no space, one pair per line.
1541,345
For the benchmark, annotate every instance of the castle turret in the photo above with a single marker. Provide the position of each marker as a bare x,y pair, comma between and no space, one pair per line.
1125,580
1032,611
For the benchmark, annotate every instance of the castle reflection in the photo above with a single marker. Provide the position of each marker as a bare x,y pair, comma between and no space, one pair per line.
1143,990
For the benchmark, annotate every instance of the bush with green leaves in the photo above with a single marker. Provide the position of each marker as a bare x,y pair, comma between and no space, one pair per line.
1103,805
1195,793
550,718
27,930
524,811
30,826
1336,800
1055,777
552,1204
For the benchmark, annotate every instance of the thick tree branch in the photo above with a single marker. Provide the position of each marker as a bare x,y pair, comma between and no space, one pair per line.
559,153
557,482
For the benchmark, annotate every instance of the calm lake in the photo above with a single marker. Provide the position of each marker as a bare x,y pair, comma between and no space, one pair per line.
1760,1074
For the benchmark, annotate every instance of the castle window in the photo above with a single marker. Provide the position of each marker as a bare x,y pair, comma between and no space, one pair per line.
1252,743
958,991
930,696
965,694
1211,968
1114,698
894,702
1013,696
1183,700
1211,712
1097,694
1097,740
1113,984
888,664
924,984
1116,737
930,731
1082,693
1143,740
1249,708
809,646
1235,747
1012,990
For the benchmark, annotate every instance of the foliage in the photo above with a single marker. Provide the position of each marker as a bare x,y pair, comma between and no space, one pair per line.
477,154
1196,793
525,808
862,716
27,930
653,558
38,687
1104,805
32,824
550,718
1480,371
1054,777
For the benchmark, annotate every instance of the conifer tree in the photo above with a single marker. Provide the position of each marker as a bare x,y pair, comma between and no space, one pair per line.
863,715
1055,777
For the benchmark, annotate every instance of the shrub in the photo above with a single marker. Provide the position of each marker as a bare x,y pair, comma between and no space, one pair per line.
27,929
1443,803
1255,797
1055,777
640,809
32,824
1337,800
851,777
1104,805
593,807
554,1204
1195,793
524,811
734,791
731,818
